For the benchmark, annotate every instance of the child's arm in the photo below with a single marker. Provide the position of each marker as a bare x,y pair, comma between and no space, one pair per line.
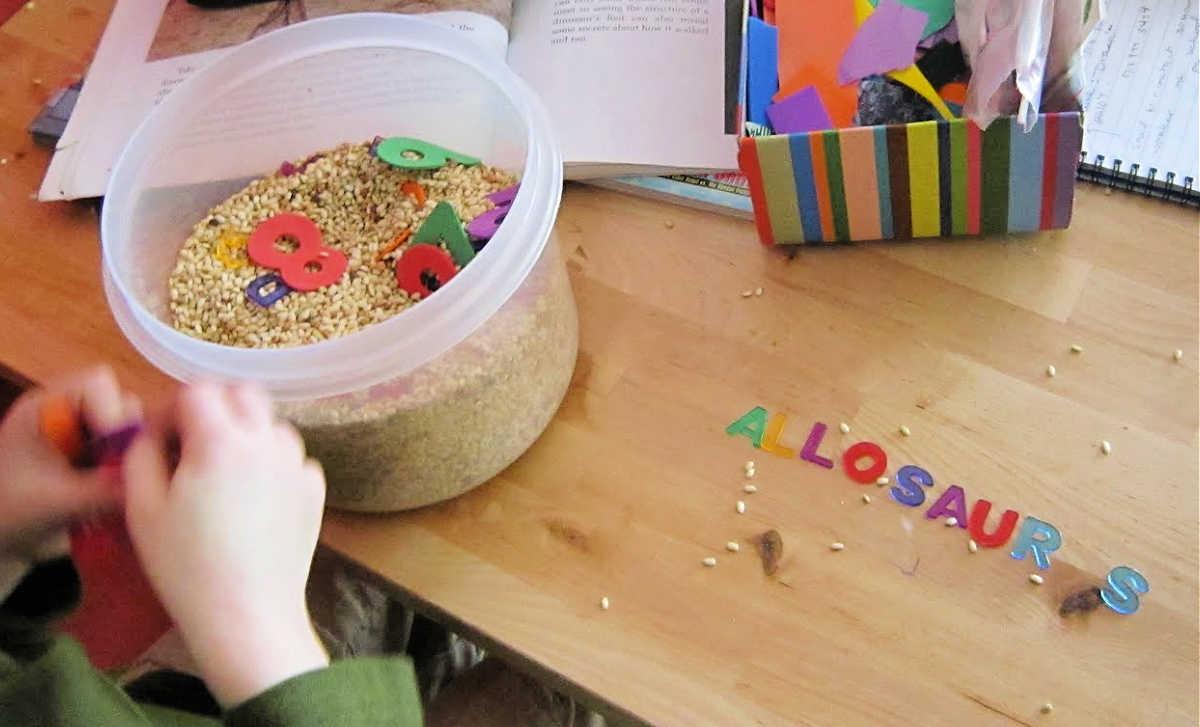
47,680
227,540
39,490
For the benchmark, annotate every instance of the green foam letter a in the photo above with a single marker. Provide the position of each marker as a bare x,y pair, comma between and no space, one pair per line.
751,425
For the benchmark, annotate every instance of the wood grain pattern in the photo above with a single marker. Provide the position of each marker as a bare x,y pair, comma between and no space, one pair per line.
637,468
635,481
54,317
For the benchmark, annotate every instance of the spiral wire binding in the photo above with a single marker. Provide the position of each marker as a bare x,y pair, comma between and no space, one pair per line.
1182,192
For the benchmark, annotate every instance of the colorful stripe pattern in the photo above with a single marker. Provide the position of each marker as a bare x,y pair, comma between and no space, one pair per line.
927,179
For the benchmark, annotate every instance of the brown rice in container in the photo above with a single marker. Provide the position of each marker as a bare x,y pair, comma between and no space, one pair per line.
441,429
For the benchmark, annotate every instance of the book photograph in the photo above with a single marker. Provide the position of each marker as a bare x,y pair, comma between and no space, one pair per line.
187,28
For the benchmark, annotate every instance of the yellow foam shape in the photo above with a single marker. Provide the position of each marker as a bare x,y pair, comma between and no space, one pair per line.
862,9
914,79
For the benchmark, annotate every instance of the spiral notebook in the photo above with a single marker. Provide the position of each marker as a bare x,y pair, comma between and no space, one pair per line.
1141,126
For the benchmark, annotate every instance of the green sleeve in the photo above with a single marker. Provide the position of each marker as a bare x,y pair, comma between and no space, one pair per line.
363,691
47,679
61,689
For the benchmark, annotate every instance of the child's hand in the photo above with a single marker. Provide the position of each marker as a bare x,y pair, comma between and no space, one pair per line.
39,490
227,539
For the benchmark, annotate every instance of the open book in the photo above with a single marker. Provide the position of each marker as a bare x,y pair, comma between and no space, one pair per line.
632,86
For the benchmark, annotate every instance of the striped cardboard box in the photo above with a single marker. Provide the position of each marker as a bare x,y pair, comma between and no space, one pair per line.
927,179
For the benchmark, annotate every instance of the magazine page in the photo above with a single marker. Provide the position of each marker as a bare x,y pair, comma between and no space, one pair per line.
634,83
151,46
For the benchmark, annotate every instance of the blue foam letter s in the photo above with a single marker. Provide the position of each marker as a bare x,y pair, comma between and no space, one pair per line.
1124,583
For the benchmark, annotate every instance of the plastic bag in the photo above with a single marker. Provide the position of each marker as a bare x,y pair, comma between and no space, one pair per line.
1019,48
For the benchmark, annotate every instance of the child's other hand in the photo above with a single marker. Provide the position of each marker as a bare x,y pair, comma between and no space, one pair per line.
228,537
39,490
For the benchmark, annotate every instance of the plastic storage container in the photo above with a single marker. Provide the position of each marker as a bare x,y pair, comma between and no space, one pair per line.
437,399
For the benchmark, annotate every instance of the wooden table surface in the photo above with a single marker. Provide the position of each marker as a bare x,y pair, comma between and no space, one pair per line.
635,481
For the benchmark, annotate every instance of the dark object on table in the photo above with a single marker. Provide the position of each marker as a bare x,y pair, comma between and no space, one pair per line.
770,549
884,101
48,127
943,63
1081,601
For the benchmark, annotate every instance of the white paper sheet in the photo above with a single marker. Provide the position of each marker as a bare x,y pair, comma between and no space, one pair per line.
1140,103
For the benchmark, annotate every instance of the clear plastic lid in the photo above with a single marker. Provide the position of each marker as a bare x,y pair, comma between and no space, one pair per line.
285,95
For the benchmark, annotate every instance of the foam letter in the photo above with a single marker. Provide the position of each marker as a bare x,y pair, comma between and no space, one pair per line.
770,440
952,502
999,536
857,452
1124,583
809,452
416,154
443,225
908,485
750,425
1027,540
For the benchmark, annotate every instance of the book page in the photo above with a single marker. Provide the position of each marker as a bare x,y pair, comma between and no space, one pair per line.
1140,102
151,46
629,82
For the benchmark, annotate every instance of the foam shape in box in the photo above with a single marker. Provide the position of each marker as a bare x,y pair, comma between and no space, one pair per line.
762,68
926,179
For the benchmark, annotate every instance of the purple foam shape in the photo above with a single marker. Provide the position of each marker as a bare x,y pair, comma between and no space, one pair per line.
107,449
287,169
504,197
114,444
809,452
952,503
310,160
802,111
254,290
886,41
486,224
